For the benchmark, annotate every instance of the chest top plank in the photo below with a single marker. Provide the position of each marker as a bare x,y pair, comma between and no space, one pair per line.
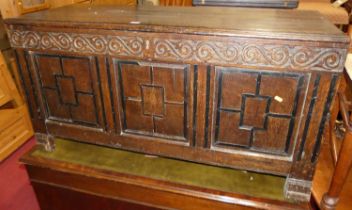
273,23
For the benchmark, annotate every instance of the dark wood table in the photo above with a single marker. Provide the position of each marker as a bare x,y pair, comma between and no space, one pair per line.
82,176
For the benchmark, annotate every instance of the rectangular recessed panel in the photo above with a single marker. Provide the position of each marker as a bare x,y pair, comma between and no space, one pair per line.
278,128
50,66
55,108
132,77
172,123
285,95
81,113
230,133
242,82
136,121
153,100
173,82
67,89
80,69
254,111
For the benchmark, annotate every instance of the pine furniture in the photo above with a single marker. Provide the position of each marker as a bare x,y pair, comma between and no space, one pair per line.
15,123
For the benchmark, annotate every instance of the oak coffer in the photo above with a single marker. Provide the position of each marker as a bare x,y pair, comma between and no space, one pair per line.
242,88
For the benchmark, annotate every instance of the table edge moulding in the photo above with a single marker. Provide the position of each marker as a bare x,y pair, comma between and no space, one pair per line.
242,88
72,171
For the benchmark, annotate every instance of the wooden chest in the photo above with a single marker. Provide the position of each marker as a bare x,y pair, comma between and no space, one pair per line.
243,88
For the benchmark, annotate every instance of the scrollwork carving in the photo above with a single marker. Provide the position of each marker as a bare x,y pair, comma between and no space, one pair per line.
83,43
213,50
125,45
181,50
245,53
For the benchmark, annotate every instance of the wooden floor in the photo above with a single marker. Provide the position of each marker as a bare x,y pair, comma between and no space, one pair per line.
323,176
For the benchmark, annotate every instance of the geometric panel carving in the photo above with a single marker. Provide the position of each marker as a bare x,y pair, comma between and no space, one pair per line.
153,99
252,113
67,87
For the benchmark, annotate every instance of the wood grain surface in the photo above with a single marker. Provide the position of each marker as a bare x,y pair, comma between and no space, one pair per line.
291,24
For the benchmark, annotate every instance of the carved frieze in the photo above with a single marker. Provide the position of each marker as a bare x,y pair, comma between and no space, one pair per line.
81,43
186,49
249,54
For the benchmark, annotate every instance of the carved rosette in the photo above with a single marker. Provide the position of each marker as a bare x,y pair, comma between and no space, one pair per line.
213,50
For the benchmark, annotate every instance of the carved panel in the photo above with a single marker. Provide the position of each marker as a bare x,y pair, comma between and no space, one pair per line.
256,110
67,88
211,50
154,99
82,43
244,52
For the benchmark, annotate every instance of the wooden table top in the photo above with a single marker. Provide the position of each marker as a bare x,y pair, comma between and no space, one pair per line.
234,187
280,23
118,170
160,168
